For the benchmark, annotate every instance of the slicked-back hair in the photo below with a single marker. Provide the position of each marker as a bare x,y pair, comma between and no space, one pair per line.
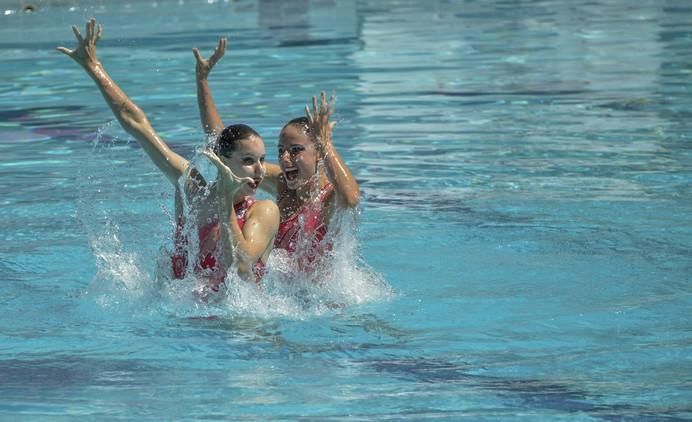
230,135
301,122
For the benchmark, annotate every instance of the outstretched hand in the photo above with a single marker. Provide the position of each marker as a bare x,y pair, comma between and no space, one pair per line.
320,126
228,180
85,52
204,66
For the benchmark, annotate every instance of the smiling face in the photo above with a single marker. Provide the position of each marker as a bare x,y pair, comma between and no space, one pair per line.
247,160
297,156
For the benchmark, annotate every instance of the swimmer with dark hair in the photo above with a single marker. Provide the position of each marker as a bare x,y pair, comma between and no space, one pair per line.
233,228
307,196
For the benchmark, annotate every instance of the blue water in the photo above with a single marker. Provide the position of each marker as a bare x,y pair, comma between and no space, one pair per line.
522,250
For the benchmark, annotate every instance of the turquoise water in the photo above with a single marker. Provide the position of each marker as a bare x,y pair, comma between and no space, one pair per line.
523,246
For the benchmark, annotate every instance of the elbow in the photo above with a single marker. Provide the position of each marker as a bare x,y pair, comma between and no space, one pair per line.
134,123
352,199
243,270
130,115
246,273
243,264
139,120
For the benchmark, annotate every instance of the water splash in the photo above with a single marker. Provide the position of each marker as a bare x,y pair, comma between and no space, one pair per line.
121,274
341,280
127,276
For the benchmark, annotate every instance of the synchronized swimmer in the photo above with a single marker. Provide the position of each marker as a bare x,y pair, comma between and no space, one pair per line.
307,198
234,229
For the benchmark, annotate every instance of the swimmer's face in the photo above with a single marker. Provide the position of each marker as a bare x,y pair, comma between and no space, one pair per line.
297,156
247,160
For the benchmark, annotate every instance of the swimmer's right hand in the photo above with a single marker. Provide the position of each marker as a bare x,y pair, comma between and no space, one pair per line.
321,126
85,53
204,66
229,181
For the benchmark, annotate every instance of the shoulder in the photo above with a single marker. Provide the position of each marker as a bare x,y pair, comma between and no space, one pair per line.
327,189
266,211
327,195
265,204
273,170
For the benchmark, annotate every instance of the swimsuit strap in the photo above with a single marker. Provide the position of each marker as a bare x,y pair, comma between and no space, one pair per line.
326,189
241,208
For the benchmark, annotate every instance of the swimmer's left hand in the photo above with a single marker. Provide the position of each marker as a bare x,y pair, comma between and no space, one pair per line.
229,181
85,53
204,66
320,126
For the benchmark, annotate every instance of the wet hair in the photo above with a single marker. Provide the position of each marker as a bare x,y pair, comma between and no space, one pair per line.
228,140
300,122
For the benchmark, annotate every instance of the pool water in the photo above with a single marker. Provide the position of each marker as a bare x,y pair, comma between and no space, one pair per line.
523,248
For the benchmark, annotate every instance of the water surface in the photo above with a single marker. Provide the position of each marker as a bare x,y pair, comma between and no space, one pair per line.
524,236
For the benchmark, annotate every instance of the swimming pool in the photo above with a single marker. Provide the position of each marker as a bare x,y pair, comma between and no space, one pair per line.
524,235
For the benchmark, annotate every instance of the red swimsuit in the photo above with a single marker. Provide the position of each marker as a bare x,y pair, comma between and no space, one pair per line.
304,231
208,235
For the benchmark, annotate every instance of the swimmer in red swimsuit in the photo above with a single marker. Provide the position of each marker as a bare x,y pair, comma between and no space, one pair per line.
307,197
209,249
232,228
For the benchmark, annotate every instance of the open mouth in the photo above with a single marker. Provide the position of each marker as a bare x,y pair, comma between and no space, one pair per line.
255,183
291,174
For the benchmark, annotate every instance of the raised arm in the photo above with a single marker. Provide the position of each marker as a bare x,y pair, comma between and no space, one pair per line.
209,115
211,121
131,117
345,185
